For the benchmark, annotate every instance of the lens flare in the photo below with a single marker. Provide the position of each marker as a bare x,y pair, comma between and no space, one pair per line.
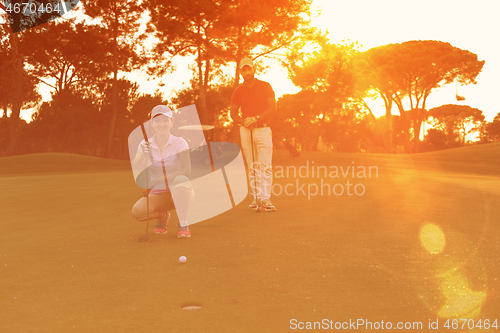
460,299
452,280
432,238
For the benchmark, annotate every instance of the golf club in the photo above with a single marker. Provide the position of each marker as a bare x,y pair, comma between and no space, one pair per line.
254,179
145,237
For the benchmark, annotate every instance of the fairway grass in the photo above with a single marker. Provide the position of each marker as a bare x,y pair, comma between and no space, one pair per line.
70,260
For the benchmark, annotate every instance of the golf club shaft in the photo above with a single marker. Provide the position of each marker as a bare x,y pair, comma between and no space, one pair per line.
253,167
147,181
147,204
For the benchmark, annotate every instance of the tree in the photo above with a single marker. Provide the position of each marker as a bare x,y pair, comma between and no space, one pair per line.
327,69
76,121
15,62
327,77
494,130
19,86
30,95
185,28
81,123
140,111
20,21
372,134
306,117
491,131
121,19
219,32
411,71
456,121
217,100
261,28
67,56
343,130
127,97
16,90
436,140
296,121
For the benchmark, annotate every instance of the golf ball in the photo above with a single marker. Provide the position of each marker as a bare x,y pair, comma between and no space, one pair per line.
182,259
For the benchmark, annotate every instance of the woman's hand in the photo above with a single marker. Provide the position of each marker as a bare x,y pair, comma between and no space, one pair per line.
145,147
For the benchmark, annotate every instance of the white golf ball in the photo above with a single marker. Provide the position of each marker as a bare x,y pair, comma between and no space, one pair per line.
182,259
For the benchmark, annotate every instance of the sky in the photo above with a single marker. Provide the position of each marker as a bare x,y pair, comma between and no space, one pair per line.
469,25
464,24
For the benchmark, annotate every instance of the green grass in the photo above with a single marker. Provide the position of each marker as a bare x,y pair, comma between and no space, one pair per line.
58,163
69,259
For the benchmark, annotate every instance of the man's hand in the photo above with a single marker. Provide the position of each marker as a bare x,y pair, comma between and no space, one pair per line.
250,121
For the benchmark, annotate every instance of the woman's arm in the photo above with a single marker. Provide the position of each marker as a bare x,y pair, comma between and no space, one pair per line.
142,157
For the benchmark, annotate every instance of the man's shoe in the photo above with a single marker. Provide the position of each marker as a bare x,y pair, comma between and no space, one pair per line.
268,206
183,232
254,205
161,226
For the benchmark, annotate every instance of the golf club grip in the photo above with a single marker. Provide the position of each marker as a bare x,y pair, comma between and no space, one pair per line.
145,135
144,132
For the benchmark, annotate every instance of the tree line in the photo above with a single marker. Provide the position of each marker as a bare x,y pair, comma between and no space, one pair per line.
85,62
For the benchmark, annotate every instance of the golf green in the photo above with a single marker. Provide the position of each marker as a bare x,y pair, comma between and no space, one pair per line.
413,239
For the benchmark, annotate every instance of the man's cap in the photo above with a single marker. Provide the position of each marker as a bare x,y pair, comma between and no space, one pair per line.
161,110
246,62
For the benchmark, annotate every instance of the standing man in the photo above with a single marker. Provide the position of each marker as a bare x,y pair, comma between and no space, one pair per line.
257,101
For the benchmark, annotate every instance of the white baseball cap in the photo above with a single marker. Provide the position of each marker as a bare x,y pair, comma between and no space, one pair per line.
161,110
246,62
